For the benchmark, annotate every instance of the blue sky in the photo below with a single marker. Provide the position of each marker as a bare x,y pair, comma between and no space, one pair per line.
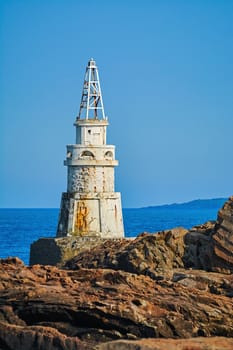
167,80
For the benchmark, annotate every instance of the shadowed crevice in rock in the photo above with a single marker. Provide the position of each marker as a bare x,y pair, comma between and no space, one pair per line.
79,322
3,345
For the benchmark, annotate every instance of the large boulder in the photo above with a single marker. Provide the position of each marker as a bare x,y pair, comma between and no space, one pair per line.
198,253
148,254
57,250
223,239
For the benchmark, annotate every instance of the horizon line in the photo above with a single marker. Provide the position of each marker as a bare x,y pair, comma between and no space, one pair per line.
142,207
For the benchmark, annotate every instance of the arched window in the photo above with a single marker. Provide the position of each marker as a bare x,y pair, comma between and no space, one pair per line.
108,155
87,155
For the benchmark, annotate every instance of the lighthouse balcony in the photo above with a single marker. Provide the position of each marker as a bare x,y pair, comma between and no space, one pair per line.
82,152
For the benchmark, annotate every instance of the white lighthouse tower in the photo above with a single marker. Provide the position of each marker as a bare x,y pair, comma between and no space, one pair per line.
90,207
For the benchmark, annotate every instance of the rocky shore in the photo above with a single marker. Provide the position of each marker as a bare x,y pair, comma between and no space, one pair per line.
169,290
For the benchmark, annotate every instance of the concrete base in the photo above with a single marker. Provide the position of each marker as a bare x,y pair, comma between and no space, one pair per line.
98,214
55,251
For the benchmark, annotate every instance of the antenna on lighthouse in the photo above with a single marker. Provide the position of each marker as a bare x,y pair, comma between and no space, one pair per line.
91,106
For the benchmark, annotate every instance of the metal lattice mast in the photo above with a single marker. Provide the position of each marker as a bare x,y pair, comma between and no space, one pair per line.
91,106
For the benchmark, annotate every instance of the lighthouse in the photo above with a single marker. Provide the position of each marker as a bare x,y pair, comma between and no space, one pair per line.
90,206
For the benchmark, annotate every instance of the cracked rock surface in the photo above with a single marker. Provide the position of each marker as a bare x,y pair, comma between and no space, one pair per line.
43,307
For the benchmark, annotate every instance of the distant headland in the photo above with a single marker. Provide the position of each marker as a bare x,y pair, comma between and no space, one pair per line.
214,203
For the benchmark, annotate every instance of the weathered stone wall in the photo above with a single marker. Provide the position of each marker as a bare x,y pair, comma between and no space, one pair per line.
90,179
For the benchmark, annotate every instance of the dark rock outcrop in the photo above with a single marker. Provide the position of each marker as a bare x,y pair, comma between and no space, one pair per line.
210,246
223,239
148,254
199,247
155,254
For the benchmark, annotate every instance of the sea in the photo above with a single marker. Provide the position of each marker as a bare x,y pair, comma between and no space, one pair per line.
20,227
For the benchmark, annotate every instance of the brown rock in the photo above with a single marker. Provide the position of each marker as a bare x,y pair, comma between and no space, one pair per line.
223,239
35,337
215,343
50,307
199,246
148,254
